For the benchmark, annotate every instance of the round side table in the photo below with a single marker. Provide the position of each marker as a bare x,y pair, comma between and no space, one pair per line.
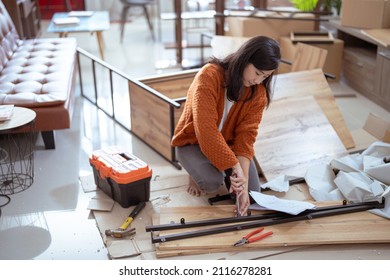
17,151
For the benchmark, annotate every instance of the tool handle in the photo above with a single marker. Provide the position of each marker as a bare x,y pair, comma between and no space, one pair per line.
132,215
253,232
126,223
137,209
253,239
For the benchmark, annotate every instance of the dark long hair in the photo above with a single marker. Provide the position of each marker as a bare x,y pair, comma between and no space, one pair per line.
262,52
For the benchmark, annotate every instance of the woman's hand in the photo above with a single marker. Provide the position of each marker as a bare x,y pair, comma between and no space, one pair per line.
238,179
239,185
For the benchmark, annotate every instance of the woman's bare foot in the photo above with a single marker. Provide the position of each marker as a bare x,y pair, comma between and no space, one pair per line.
194,190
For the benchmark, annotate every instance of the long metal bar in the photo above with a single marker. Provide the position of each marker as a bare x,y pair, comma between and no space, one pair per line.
112,94
123,75
273,215
220,221
352,208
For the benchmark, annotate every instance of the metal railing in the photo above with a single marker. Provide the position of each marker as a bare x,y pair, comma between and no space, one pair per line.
94,74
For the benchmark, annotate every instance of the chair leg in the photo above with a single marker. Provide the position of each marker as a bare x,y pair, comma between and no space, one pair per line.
68,5
125,9
149,22
48,139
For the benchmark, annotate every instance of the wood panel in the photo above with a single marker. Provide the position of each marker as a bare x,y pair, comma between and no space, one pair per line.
173,88
172,85
367,45
151,119
359,69
382,84
361,227
313,83
294,135
308,57
382,36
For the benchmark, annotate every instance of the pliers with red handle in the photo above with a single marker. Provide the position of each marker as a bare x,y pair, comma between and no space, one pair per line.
249,239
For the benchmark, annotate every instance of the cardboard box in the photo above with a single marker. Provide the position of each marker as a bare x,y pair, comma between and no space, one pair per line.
334,58
374,129
122,176
276,25
365,14
377,127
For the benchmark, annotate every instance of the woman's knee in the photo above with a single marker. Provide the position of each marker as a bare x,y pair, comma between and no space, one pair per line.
210,185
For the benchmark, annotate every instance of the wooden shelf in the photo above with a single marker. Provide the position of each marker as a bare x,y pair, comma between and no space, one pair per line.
25,16
366,64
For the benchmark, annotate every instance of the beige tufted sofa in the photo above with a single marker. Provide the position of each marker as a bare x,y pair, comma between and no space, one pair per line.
38,74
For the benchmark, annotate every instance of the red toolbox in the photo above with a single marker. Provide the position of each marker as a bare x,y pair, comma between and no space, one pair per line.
122,176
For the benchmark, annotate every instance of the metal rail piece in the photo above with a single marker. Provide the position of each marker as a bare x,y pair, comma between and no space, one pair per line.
258,220
272,215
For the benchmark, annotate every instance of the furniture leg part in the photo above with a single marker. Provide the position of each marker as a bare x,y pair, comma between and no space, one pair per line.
100,40
48,139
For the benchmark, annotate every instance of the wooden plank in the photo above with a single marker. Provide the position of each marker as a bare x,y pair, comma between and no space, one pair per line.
308,57
173,88
250,253
150,119
313,82
312,37
354,228
382,36
294,135
172,85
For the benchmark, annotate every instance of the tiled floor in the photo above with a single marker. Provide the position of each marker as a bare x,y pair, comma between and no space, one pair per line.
50,220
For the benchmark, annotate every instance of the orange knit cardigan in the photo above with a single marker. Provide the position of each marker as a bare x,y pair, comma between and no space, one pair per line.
203,112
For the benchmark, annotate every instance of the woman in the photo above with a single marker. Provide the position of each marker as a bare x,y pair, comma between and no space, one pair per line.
219,124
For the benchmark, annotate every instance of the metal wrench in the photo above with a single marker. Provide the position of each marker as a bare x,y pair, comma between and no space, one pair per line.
238,214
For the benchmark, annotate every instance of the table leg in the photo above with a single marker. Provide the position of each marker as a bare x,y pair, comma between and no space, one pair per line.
219,18
68,5
100,40
178,32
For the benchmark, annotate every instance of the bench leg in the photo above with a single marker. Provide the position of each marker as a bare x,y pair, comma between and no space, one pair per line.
48,139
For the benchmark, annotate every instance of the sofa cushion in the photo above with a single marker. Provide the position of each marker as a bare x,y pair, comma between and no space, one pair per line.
38,73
